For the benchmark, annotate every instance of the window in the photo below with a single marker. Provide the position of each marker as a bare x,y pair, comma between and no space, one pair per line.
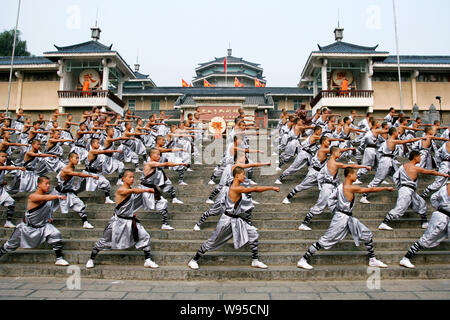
40,76
132,105
297,104
390,76
275,105
433,77
155,105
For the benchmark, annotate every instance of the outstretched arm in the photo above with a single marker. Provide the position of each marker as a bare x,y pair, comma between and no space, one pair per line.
431,172
45,197
357,189
354,166
126,192
241,189
408,140
11,168
251,165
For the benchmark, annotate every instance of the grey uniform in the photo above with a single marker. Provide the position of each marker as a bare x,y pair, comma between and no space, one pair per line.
152,201
54,164
124,230
5,198
327,184
25,181
342,223
95,168
231,225
69,188
35,229
292,146
369,145
111,164
220,192
427,160
386,165
407,197
128,154
444,167
439,226
303,158
311,177
79,147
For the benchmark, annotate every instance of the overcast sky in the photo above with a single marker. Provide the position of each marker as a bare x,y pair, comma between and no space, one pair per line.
173,36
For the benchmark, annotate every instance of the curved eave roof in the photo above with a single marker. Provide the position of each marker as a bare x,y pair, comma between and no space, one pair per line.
231,61
218,91
230,75
345,47
91,49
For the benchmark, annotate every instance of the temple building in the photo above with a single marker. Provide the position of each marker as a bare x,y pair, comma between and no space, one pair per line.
372,77
221,72
77,77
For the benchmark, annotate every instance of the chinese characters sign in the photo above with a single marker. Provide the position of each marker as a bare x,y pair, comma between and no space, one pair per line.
227,113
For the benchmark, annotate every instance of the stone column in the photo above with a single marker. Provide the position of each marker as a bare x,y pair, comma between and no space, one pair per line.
105,84
61,74
324,75
120,89
19,76
414,76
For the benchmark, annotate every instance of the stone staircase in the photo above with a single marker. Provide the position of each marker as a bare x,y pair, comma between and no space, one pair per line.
281,243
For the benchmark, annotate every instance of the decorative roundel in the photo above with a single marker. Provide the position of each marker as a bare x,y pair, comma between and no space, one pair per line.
217,124
90,75
339,75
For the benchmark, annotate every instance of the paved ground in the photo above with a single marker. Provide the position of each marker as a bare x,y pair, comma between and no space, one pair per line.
50,288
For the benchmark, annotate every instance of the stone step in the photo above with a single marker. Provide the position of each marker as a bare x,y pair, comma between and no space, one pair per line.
154,221
269,207
238,257
269,246
267,198
189,234
220,273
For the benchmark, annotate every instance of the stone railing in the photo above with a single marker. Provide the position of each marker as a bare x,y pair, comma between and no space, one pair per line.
341,94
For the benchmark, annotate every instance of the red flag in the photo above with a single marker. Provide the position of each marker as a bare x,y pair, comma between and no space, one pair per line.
263,85
206,83
257,83
190,85
237,83
184,83
225,65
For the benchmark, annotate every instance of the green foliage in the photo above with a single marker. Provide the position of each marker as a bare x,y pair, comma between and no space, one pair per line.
6,43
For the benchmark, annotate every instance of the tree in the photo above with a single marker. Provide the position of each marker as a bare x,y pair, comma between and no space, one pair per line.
6,44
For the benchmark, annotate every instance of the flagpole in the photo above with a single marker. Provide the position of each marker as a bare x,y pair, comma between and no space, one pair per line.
226,72
398,56
12,60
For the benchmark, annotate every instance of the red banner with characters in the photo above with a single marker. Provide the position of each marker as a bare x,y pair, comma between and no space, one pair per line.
227,113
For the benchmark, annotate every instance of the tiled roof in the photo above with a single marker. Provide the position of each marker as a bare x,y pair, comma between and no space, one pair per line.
229,74
345,47
85,47
219,91
259,100
418,60
25,60
141,76
230,59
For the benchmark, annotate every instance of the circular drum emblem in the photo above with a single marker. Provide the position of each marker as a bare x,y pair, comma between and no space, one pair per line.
90,75
339,75
217,125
